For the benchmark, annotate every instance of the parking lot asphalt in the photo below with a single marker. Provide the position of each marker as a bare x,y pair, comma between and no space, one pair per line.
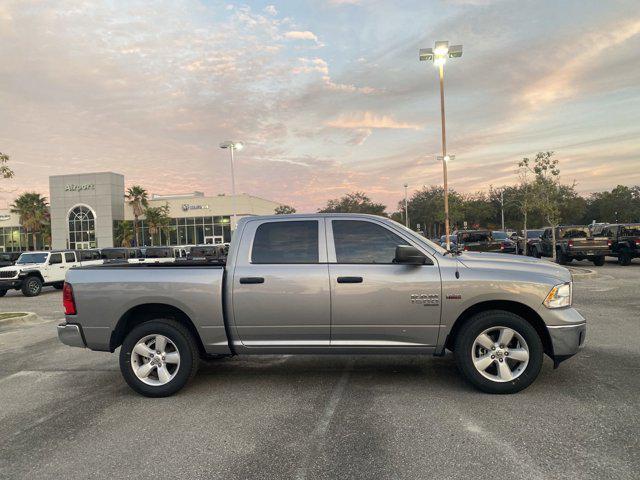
66,413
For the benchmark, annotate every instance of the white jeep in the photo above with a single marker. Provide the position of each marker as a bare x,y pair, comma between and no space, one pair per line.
34,270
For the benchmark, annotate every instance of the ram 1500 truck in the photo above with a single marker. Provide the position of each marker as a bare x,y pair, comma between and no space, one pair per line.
573,242
330,284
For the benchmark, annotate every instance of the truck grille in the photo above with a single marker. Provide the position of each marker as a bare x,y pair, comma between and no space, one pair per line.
8,274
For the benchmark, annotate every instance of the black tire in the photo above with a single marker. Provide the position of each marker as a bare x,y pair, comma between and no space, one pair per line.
497,318
598,261
536,253
3,293
31,286
624,259
184,342
58,286
561,258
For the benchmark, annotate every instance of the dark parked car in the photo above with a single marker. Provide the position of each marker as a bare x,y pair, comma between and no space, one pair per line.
625,241
120,254
9,258
528,247
453,241
485,241
209,253
573,242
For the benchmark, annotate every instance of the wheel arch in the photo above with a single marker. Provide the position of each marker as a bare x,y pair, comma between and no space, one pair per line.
149,311
33,273
520,309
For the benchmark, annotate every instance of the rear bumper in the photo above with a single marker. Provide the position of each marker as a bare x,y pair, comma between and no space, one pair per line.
71,335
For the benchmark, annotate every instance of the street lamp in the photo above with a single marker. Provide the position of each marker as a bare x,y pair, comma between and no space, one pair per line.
439,55
233,146
406,207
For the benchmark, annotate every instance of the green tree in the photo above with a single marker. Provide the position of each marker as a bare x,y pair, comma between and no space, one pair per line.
356,202
547,188
622,204
284,210
157,219
5,171
33,212
138,198
124,233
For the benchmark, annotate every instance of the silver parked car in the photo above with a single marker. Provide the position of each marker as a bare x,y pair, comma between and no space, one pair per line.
326,283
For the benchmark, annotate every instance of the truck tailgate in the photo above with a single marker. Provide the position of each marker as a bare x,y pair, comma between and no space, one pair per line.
106,294
597,245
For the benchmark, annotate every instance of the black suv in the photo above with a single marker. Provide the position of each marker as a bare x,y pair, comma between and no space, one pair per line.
625,241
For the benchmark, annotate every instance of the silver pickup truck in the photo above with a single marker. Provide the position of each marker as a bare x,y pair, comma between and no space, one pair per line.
326,284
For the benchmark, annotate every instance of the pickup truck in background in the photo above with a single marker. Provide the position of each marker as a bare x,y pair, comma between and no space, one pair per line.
625,241
527,246
573,242
34,270
330,284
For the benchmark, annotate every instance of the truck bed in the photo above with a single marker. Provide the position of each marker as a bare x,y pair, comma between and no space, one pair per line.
107,295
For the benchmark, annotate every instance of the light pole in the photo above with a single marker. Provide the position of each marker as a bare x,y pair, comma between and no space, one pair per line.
233,146
406,207
502,207
439,56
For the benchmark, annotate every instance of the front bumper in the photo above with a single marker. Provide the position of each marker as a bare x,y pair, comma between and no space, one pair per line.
10,283
567,330
71,335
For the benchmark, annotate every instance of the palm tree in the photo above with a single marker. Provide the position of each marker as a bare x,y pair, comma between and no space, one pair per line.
33,211
138,198
157,219
5,171
124,233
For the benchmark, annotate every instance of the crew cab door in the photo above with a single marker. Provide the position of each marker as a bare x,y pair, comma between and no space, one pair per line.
280,284
375,302
55,269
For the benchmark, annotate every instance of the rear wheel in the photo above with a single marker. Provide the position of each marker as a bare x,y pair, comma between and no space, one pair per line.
598,261
561,258
31,286
624,259
158,358
499,352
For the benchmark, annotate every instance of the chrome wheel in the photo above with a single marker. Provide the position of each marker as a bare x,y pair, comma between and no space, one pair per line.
155,360
500,354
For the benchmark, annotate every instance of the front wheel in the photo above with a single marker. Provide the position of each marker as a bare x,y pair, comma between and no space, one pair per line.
499,352
158,358
31,286
598,261
561,258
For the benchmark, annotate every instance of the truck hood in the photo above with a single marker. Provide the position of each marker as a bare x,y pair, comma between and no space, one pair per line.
516,263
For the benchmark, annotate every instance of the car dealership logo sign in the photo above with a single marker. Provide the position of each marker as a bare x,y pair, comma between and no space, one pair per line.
4,217
74,187
186,207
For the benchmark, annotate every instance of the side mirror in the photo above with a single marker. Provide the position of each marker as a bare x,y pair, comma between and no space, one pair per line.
409,255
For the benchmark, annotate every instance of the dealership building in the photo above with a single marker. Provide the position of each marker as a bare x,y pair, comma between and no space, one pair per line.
90,211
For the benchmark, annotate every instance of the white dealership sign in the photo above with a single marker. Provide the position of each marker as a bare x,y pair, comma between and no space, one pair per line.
74,187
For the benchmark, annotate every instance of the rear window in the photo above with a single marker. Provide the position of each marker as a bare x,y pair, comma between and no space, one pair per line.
69,257
579,232
286,242
630,230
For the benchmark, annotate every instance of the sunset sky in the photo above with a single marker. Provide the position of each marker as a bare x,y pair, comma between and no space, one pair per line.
328,95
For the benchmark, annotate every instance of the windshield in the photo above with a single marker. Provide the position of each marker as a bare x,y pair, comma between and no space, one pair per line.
26,258
499,236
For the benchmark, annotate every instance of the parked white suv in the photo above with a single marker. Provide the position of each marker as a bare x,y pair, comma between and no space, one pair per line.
34,270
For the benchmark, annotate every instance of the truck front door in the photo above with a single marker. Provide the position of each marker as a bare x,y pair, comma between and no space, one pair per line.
280,284
375,302
55,269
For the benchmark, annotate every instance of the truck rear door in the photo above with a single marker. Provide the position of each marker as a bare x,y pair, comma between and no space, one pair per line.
375,302
280,284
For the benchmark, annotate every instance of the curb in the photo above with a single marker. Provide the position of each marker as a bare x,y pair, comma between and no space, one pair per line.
28,318
582,272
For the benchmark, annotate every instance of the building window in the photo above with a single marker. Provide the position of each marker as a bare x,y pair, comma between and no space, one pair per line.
82,228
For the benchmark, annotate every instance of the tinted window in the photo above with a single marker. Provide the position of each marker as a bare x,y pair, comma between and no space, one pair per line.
55,258
69,257
630,230
286,242
364,242
499,235
27,258
574,232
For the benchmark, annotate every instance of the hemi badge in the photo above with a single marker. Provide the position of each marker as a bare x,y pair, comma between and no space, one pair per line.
454,296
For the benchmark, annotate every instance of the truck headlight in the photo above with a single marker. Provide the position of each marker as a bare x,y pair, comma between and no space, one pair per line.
560,296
